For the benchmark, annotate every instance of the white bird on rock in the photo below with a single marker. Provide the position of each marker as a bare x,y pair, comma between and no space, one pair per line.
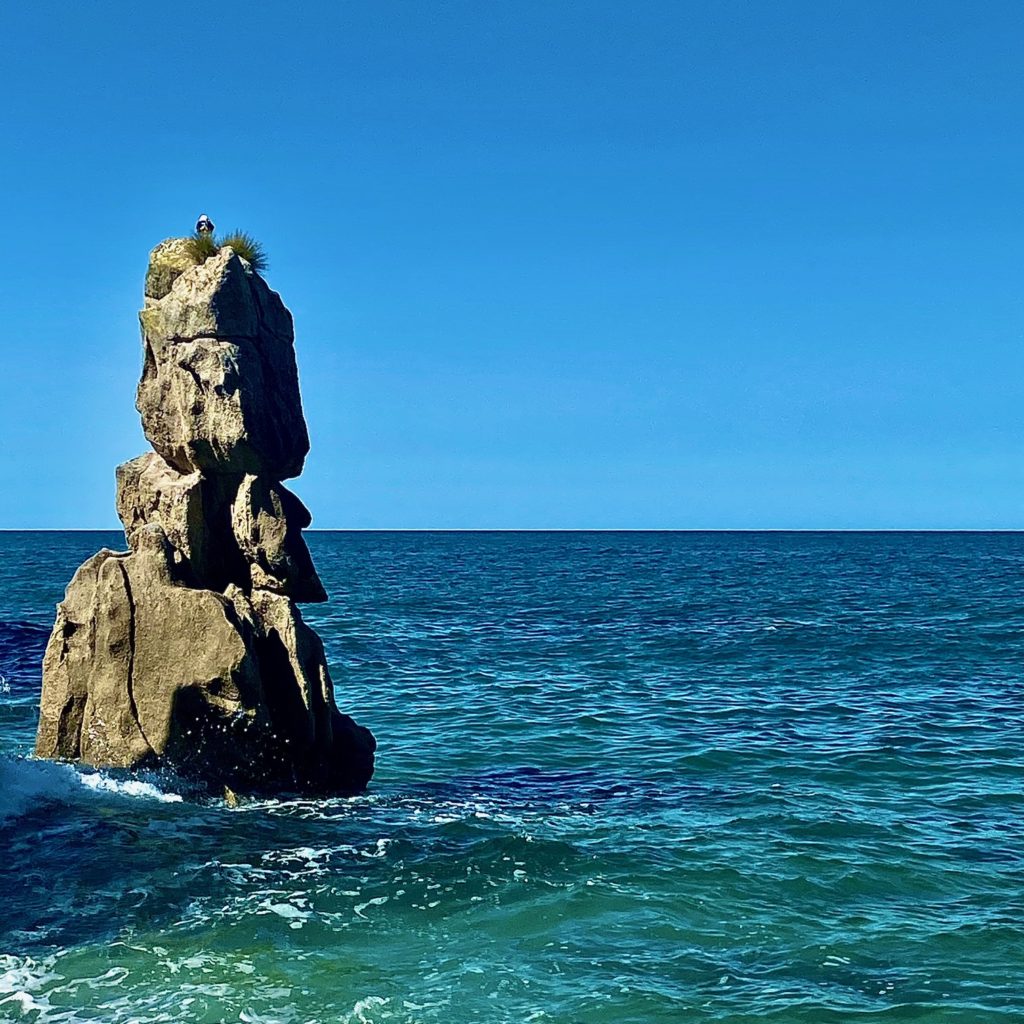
204,226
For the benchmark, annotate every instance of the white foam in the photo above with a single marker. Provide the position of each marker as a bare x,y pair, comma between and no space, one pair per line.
19,980
26,783
127,787
358,1014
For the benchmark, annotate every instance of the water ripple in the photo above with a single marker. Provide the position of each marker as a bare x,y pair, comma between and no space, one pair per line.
629,778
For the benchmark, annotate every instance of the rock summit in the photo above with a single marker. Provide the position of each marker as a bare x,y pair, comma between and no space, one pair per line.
188,651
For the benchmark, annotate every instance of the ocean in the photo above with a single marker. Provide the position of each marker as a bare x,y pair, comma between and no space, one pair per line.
621,777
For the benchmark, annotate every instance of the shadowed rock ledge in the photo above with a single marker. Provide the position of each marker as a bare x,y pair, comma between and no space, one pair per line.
188,650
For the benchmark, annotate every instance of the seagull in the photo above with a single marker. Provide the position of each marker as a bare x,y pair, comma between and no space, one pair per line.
204,226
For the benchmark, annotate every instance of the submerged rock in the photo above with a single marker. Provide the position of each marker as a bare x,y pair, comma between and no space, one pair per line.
188,651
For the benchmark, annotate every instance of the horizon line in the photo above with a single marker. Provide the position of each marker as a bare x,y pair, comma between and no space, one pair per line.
575,529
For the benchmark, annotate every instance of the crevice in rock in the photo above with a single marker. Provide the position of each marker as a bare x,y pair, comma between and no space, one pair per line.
194,374
130,681
70,629
148,362
69,727
184,339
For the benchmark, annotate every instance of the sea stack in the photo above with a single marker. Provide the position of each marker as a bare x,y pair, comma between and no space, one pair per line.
188,651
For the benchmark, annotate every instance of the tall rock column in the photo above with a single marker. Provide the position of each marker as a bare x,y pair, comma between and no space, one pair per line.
188,651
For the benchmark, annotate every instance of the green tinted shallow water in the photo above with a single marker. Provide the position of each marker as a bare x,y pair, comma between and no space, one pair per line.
622,777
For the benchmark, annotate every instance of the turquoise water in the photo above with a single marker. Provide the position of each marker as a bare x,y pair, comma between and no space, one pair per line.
621,778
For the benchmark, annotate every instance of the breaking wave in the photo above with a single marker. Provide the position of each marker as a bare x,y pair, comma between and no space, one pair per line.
27,785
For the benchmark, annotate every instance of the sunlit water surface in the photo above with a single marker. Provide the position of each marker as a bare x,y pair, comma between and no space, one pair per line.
621,778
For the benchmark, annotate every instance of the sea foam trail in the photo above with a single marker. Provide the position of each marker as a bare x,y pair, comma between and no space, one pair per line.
26,783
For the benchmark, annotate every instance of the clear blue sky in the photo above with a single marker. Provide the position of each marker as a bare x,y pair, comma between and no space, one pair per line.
676,265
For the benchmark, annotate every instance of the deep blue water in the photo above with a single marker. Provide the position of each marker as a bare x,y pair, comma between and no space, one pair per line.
621,778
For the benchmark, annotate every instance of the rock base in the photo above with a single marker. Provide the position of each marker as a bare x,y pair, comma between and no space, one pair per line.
225,689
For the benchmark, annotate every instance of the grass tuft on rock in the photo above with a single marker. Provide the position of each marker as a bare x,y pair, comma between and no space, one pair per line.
201,247
247,247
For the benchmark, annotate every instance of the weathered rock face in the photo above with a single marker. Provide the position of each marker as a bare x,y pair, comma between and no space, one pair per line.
222,529
220,390
267,522
188,651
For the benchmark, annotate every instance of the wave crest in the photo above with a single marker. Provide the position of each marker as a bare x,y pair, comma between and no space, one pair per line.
26,784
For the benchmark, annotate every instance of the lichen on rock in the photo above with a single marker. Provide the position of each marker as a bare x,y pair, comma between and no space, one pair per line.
188,651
